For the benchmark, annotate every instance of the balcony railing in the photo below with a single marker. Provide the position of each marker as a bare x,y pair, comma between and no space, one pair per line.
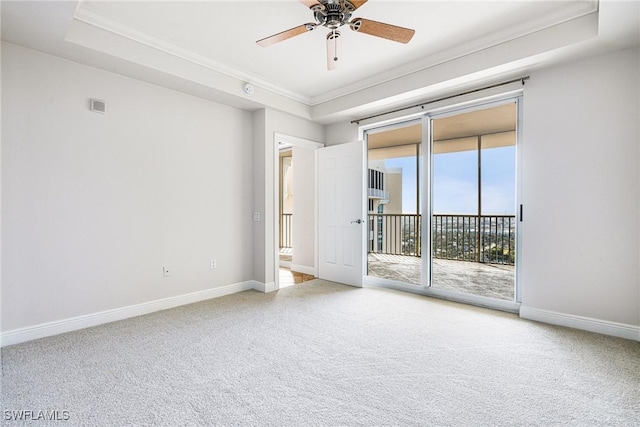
378,194
394,234
285,230
485,238
454,237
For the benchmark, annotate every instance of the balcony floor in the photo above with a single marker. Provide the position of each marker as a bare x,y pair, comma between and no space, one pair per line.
490,280
286,254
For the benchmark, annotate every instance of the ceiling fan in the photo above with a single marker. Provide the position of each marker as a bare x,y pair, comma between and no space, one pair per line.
333,14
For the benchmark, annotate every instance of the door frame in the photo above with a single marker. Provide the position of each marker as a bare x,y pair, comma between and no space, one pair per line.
293,141
427,115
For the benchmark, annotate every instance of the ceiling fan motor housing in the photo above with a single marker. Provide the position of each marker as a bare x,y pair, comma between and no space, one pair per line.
333,13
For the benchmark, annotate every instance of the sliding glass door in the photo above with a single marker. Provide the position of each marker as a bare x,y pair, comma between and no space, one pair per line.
473,202
451,228
394,233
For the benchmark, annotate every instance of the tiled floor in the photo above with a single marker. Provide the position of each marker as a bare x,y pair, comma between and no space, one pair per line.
490,280
286,254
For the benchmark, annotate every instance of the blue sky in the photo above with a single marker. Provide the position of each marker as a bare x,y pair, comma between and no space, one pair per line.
455,183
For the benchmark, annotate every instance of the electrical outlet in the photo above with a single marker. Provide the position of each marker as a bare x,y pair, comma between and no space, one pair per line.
256,216
166,271
214,264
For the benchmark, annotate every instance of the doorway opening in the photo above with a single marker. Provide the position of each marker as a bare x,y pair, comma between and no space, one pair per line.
296,210
285,203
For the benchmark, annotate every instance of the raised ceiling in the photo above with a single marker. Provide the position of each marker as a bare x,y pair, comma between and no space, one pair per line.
208,49
224,33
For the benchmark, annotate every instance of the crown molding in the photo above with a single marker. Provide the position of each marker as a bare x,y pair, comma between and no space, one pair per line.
91,17
571,12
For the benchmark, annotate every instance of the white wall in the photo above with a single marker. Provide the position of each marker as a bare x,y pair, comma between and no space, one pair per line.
259,162
581,193
341,132
582,189
286,175
267,123
94,205
304,209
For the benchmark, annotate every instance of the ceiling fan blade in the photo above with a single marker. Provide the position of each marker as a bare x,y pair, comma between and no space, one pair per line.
309,3
301,29
380,29
357,3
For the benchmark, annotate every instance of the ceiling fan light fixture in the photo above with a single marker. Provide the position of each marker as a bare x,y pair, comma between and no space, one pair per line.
334,48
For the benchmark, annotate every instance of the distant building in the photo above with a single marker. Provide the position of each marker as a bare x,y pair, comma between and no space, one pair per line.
385,198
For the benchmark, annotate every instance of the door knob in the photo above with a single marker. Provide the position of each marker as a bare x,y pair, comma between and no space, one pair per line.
357,221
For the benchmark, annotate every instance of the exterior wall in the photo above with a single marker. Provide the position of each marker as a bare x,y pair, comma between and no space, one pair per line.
94,205
391,227
393,184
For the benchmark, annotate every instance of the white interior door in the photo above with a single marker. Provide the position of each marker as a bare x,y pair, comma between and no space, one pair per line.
340,221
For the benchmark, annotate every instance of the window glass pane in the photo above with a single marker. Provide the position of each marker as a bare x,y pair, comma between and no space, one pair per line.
394,214
473,196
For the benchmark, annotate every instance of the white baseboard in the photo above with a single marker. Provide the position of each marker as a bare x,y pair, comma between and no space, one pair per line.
265,287
605,327
304,269
42,330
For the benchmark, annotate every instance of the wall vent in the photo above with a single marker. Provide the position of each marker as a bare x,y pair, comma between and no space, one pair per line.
98,106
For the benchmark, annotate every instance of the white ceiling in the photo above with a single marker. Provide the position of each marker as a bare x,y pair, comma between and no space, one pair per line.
226,32
208,48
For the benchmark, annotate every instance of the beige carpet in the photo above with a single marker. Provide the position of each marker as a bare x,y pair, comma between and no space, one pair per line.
320,353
